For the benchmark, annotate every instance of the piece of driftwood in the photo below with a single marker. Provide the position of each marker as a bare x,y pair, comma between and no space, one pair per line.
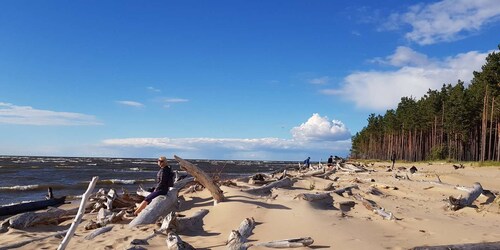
236,241
79,215
313,197
288,243
172,222
105,217
174,242
98,231
467,246
159,206
202,178
470,197
316,172
266,189
345,190
110,197
25,242
29,219
237,238
31,206
372,206
348,167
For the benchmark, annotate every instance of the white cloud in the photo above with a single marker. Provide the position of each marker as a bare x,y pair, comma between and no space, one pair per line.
320,80
330,137
131,104
153,89
320,129
381,90
175,100
26,115
447,20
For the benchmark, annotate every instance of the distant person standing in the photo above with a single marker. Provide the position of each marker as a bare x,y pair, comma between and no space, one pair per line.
330,161
393,159
307,162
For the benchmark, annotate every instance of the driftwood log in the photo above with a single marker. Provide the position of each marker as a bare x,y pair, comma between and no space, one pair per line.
372,206
31,206
288,243
98,231
266,189
237,238
79,216
470,197
183,224
29,219
202,178
159,206
174,242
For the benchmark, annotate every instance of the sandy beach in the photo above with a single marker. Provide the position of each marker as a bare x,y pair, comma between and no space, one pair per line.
417,202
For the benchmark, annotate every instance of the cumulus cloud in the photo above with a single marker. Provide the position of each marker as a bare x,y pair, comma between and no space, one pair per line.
131,104
447,20
332,136
26,115
320,129
415,75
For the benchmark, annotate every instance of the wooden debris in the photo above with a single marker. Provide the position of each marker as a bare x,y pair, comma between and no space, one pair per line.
30,206
172,222
202,178
159,206
288,243
81,211
266,189
470,197
174,242
29,219
313,197
98,232
372,206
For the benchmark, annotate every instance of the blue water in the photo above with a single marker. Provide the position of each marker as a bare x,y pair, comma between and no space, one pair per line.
24,178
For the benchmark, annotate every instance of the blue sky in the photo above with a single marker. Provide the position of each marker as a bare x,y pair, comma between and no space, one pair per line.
267,80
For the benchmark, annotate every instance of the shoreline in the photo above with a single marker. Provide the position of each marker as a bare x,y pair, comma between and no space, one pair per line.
417,204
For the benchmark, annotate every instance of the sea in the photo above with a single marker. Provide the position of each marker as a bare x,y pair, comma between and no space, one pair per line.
27,178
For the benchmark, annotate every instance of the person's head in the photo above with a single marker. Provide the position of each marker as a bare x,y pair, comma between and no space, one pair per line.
162,161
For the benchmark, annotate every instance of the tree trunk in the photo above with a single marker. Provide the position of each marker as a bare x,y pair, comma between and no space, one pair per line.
202,178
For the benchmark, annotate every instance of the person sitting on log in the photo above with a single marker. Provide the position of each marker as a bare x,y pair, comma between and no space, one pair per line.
164,179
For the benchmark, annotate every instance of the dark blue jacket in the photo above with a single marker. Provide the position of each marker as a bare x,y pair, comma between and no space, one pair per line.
165,179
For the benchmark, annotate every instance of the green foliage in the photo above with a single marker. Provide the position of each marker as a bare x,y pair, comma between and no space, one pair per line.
438,153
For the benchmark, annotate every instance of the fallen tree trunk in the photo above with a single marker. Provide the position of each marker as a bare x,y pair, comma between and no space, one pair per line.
31,206
182,224
313,197
159,206
265,190
313,173
469,246
372,206
174,242
237,238
81,211
202,178
470,197
288,243
98,232
29,219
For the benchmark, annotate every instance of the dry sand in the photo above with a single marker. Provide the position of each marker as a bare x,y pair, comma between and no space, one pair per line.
418,204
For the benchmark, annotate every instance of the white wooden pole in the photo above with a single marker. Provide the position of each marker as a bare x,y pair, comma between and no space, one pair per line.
81,212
